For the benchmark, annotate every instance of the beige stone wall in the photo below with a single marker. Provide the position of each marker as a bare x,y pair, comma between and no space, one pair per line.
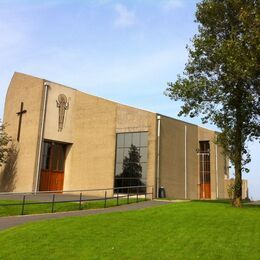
192,162
29,90
131,119
172,158
52,114
222,170
90,161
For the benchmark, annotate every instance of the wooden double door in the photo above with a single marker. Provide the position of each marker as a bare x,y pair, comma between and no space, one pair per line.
205,191
52,170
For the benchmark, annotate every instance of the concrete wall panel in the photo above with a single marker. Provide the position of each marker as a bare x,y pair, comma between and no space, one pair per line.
29,90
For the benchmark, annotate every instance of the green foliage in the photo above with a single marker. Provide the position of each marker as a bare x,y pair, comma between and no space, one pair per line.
221,80
4,140
190,230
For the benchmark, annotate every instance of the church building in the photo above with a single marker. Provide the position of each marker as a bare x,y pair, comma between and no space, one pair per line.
69,140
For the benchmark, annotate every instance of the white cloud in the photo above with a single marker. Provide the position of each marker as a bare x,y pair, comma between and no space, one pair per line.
125,18
169,5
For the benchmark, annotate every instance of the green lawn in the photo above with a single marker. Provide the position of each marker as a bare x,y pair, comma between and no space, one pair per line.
188,230
58,207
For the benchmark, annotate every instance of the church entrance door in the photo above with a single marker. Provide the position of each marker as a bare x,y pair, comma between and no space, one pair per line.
52,171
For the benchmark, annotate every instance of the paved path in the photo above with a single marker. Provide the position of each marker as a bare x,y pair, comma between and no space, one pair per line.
6,222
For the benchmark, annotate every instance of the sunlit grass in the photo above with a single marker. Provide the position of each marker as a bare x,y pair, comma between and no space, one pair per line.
191,230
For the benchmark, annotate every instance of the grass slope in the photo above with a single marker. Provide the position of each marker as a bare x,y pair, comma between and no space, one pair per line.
175,231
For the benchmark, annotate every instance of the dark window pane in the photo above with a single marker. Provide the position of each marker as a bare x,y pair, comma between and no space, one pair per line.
126,152
144,139
120,140
128,139
144,169
136,139
131,161
55,157
120,155
143,153
143,181
46,156
119,167
204,146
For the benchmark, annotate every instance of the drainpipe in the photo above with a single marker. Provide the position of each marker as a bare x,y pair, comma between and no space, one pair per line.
158,155
41,136
185,161
216,161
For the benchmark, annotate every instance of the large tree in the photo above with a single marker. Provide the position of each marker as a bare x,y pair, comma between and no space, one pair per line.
221,78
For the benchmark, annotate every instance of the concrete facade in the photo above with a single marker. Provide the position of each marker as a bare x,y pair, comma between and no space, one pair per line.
30,90
90,127
179,166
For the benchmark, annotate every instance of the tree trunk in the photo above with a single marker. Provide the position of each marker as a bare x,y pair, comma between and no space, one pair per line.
239,144
238,186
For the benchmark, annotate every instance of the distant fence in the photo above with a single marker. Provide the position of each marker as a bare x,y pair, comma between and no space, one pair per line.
77,196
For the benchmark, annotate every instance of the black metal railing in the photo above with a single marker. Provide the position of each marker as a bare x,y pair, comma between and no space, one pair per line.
139,193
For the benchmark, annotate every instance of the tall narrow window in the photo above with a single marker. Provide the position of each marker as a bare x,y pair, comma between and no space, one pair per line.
131,159
205,169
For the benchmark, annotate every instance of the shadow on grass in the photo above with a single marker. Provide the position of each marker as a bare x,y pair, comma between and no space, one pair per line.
254,206
245,203
224,201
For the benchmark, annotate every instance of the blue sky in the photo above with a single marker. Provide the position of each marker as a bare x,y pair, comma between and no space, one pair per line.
121,50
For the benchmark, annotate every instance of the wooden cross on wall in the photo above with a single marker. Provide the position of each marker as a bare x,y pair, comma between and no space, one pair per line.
20,114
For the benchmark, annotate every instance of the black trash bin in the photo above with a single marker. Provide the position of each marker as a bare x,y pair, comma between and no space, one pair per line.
162,193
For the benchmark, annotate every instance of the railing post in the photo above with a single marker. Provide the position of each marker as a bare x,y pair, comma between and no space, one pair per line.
137,190
23,205
52,204
152,192
80,199
117,199
127,195
105,203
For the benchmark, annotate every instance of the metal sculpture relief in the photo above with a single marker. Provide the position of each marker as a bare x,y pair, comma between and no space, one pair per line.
63,105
